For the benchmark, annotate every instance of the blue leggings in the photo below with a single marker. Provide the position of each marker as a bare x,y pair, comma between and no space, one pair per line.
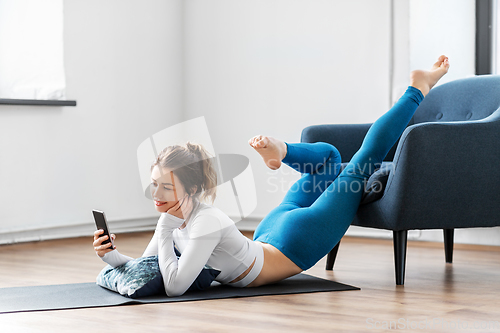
317,210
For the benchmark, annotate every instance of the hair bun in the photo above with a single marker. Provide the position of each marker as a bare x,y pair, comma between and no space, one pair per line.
192,147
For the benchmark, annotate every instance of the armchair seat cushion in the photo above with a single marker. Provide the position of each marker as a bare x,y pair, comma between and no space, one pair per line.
375,186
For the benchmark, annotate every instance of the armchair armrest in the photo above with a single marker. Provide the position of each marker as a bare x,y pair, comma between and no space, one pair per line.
446,175
347,138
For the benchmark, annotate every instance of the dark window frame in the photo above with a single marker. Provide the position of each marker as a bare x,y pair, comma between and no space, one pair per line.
484,37
42,102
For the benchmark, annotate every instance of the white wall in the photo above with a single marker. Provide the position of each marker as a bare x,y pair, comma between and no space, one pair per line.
443,27
425,29
275,67
250,67
123,62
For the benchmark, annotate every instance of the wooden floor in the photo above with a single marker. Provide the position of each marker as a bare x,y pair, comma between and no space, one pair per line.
436,296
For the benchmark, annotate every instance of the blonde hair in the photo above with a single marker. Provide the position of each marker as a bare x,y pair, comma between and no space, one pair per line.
192,164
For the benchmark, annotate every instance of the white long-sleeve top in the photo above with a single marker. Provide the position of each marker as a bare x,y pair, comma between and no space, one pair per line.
209,238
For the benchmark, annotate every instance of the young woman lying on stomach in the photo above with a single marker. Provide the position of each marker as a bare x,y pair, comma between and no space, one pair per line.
312,218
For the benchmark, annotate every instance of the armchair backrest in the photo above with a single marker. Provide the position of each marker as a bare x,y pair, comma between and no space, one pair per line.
466,99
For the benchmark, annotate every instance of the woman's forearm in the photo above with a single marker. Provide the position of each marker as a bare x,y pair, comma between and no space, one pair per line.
168,262
115,258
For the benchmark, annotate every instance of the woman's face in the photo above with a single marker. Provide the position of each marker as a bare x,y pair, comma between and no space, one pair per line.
166,189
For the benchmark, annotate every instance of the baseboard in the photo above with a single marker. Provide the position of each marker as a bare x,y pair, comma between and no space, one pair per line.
479,236
76,230
88,228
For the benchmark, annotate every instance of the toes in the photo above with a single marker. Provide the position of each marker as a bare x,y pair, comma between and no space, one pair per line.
441,64
441,60
258,141
262,142
437,64
253,140
445,64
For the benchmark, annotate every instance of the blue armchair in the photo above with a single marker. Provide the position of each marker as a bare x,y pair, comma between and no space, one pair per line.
441,174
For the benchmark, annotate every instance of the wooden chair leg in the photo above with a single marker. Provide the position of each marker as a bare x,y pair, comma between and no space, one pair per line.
448,244
330,259
400,241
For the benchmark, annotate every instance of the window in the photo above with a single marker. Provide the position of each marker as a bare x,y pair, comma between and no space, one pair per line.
484,39
31,50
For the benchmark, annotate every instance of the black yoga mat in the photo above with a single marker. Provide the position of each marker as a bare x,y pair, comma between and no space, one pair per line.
88,295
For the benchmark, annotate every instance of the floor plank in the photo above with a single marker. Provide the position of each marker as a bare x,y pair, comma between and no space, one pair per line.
435,296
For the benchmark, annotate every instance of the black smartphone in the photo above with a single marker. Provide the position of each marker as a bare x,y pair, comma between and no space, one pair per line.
100,222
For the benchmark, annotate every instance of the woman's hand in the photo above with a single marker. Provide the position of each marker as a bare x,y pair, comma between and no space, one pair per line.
182,208
102,249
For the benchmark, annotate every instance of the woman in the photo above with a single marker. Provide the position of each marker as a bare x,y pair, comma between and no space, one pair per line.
312,218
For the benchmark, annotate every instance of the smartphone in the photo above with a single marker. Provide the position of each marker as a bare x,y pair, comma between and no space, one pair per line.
100,222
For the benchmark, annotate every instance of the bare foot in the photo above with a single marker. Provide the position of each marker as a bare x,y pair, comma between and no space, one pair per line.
272,150
425,80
